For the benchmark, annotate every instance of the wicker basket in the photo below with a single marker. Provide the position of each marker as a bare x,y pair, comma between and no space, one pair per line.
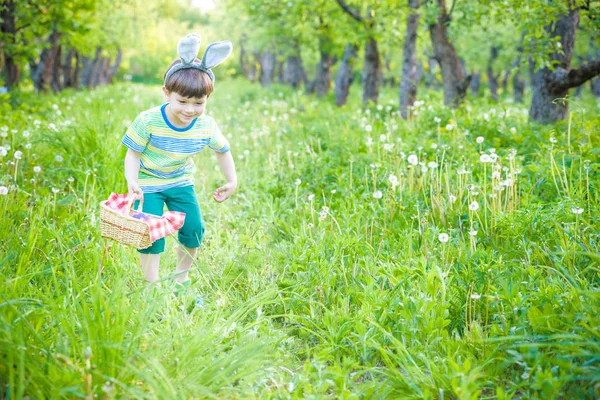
123,227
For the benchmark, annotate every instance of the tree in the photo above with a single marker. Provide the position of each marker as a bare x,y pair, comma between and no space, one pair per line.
408,82
553,80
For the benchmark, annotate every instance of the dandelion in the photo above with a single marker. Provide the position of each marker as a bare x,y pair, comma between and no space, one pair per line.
473,232
323,213
475,296
26,134
388,146
496,175
311,197
369,142
474,206
377,194
452,198
3,190
449,127
58,158
577,210
382,138
525,375
368,128
553,139
432,165
443,237
393,180
37,169
298,182
479,139
437,120
52,126
485,158
37,123
3,151
55,190
18,154
513,130
70,179
413,159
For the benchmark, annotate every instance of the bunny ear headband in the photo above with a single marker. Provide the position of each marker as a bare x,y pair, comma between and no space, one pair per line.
188,48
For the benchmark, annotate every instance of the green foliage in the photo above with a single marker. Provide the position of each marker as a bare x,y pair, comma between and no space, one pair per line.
323,276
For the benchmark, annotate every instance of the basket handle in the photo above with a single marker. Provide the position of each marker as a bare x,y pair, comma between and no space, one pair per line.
130,204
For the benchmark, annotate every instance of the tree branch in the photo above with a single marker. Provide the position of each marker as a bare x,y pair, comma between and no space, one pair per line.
563,79
350,11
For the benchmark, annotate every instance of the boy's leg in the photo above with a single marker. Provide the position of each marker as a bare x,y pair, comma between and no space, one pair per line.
150,264
154,203
190,236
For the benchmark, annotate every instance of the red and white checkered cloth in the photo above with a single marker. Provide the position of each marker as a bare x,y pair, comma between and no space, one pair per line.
159,227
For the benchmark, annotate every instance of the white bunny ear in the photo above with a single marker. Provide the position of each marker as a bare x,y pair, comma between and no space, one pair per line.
216,53
188,48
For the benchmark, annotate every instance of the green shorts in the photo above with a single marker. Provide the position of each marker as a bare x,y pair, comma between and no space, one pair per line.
181,199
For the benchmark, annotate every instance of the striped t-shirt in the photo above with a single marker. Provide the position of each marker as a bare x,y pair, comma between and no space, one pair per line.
167,151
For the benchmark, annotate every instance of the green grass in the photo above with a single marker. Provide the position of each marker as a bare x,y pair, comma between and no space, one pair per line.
323,276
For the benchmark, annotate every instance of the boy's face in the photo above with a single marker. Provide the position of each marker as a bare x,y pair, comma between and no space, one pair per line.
184,109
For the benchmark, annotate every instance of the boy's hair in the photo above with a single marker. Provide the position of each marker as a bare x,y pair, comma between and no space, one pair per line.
189,82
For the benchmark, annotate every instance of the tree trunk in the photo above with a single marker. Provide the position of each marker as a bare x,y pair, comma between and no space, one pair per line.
248,67
68,69
551,85
493,78
455,84
267,68
518,87
475,83
294,73
595,86
77,71
408,82
371,72
8,28
323,80
343,79
43,71
57,68
112,70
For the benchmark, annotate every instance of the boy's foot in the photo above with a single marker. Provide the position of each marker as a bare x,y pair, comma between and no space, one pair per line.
184,288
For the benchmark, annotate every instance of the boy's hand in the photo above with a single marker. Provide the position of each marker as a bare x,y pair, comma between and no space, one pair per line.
224,192
134,190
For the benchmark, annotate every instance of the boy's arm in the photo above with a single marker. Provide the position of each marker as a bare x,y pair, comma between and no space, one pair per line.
132,168
228,169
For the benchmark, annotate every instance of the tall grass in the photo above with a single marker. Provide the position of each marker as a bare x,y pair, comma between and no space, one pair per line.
454,255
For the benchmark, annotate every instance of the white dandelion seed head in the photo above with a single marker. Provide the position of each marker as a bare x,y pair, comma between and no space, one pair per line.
437,120
413,159
449,127
18,154
311,197
59,158
452,198
553,139
443,237
37,169
484,158
368,128
577,210
479,139
473,232
475,296
382,138
496,175
298,182
55,190
388,146
393,180
513,130
3,190
377,194
474,206
432,165
26,134
369,142
3,151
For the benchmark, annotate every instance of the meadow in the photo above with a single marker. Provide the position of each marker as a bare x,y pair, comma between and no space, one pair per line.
453,255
